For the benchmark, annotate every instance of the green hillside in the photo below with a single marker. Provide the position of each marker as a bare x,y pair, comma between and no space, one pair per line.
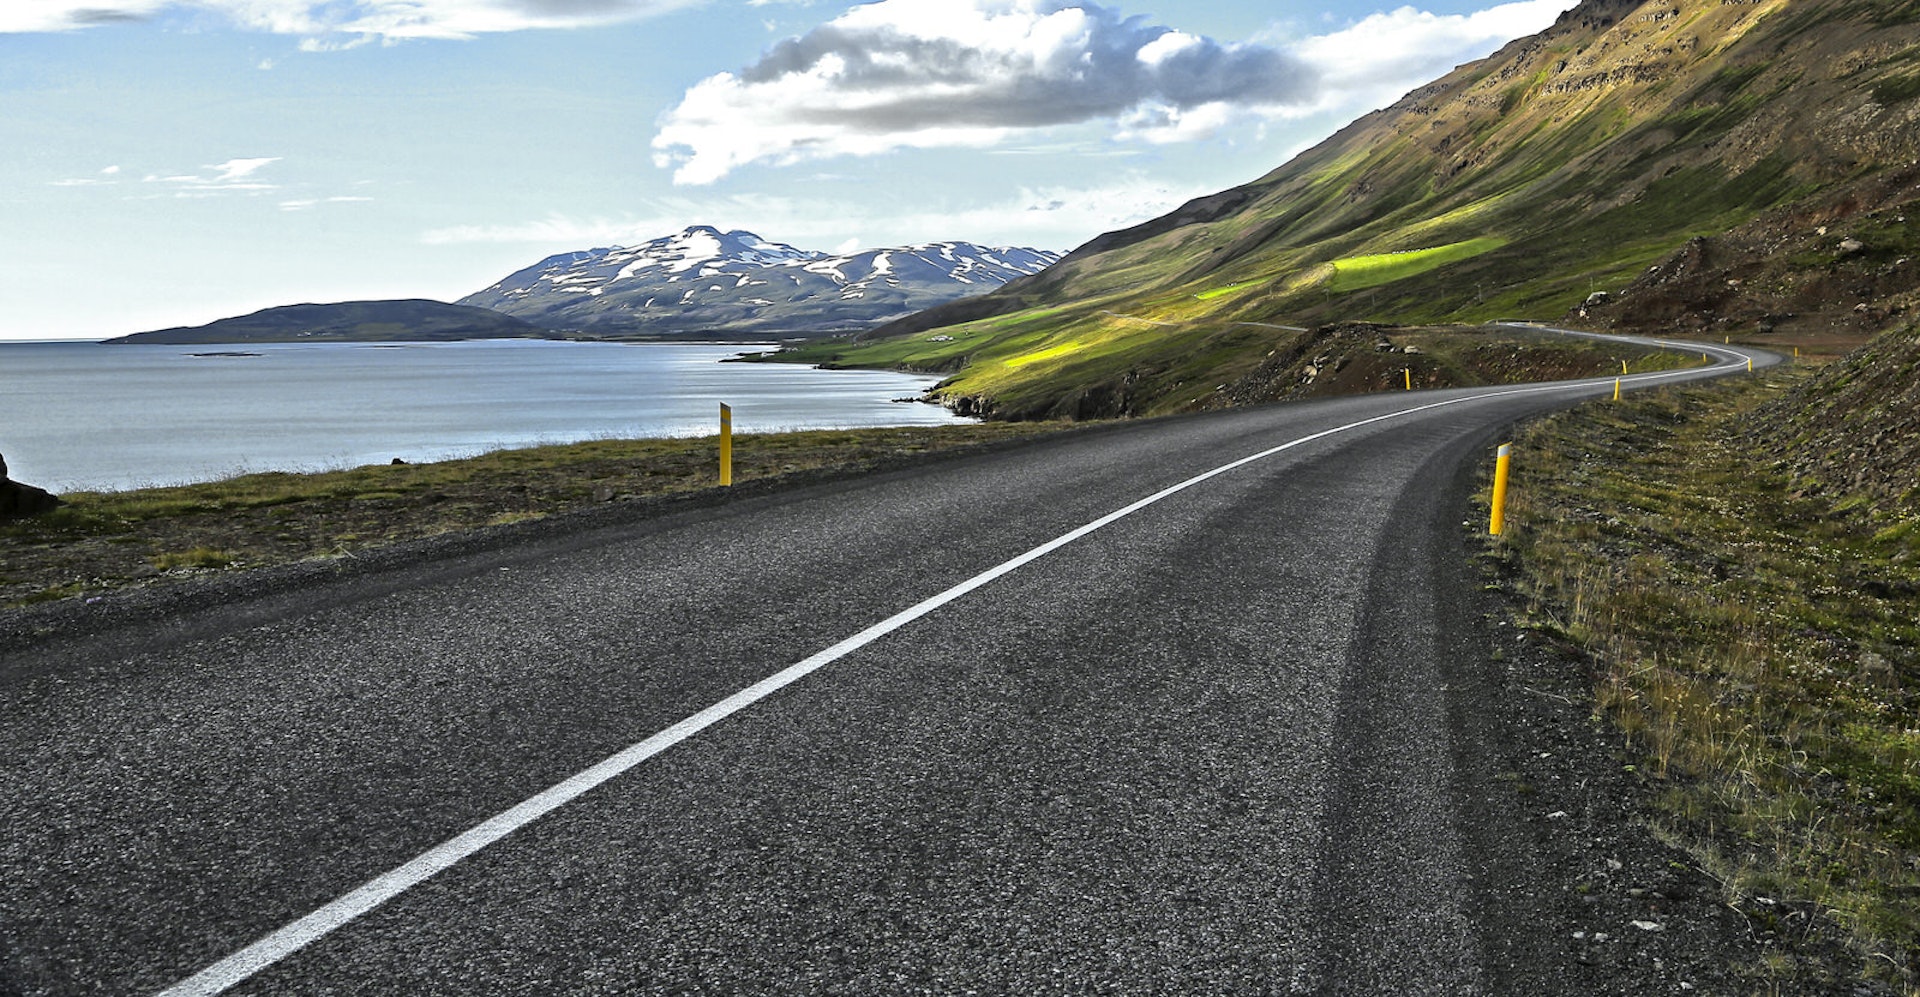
1628,137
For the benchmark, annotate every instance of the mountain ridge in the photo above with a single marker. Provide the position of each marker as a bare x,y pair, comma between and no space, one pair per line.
703,279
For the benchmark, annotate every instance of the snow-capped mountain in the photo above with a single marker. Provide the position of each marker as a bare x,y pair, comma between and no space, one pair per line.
705,280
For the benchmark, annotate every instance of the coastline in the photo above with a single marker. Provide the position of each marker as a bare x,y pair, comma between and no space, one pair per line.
87,419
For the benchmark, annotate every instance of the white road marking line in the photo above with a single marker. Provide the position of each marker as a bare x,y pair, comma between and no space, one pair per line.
270,949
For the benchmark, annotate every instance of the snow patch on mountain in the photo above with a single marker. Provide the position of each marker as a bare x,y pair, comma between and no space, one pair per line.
739,281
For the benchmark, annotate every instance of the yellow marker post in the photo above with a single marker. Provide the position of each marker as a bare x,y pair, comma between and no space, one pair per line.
1500,466
1623,367
1749,365
726,445
1409,378
1616,389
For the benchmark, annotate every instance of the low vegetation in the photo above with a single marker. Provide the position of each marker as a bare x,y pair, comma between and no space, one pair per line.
99,541
1107,364
1756,633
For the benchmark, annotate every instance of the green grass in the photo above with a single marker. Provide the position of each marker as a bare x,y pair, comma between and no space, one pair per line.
1360,272
1221,292
1758,649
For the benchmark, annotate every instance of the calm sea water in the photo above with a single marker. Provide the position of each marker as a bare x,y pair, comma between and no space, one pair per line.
79,416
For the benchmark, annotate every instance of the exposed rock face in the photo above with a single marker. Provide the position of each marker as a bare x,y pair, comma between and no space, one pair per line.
18,500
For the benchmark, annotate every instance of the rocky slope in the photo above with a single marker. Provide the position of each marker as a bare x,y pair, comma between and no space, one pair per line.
703,280
1854,429
1752,150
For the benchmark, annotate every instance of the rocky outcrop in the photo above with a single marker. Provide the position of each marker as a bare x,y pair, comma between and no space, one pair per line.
18,500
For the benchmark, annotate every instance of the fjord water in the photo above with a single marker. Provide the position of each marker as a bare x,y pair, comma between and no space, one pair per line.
77,416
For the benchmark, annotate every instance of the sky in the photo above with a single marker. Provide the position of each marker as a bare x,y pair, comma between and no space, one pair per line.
174,162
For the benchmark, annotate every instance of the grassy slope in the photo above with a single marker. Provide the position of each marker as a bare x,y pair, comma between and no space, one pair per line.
1751,607
1564,164
1108,363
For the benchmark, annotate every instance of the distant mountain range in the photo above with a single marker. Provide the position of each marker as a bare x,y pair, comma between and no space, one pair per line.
699,284
705,280
415,320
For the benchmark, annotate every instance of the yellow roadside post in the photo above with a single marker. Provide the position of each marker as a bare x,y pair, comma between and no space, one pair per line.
726,444
1616,389
1409,378
1499,520
1623,367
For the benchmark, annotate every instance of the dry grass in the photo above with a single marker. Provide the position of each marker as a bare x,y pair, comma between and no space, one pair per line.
99,541
1758,650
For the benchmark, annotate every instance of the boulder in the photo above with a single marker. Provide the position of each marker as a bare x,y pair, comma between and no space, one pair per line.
18,500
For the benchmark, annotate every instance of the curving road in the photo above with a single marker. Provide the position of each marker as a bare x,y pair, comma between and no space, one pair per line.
1177,706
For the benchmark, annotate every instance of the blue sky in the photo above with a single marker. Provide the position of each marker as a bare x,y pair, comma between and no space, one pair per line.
172,162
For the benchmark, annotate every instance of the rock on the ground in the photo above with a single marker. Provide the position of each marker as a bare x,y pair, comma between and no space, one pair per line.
18,500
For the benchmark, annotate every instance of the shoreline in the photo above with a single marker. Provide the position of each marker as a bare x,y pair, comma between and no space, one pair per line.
102,543
96,420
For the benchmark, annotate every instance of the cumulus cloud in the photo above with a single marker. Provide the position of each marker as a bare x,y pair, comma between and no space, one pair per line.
324,19
901,74
932,73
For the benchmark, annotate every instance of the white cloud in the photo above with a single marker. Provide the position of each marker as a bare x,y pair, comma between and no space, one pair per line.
324,20
958,73
105,178
1047,217
66,15
304,203
1377,60
902,74
236,170
235,176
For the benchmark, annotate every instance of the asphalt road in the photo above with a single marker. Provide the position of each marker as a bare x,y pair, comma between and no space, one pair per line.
1212,746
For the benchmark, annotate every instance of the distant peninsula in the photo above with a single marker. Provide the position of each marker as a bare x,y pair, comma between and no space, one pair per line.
406,320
